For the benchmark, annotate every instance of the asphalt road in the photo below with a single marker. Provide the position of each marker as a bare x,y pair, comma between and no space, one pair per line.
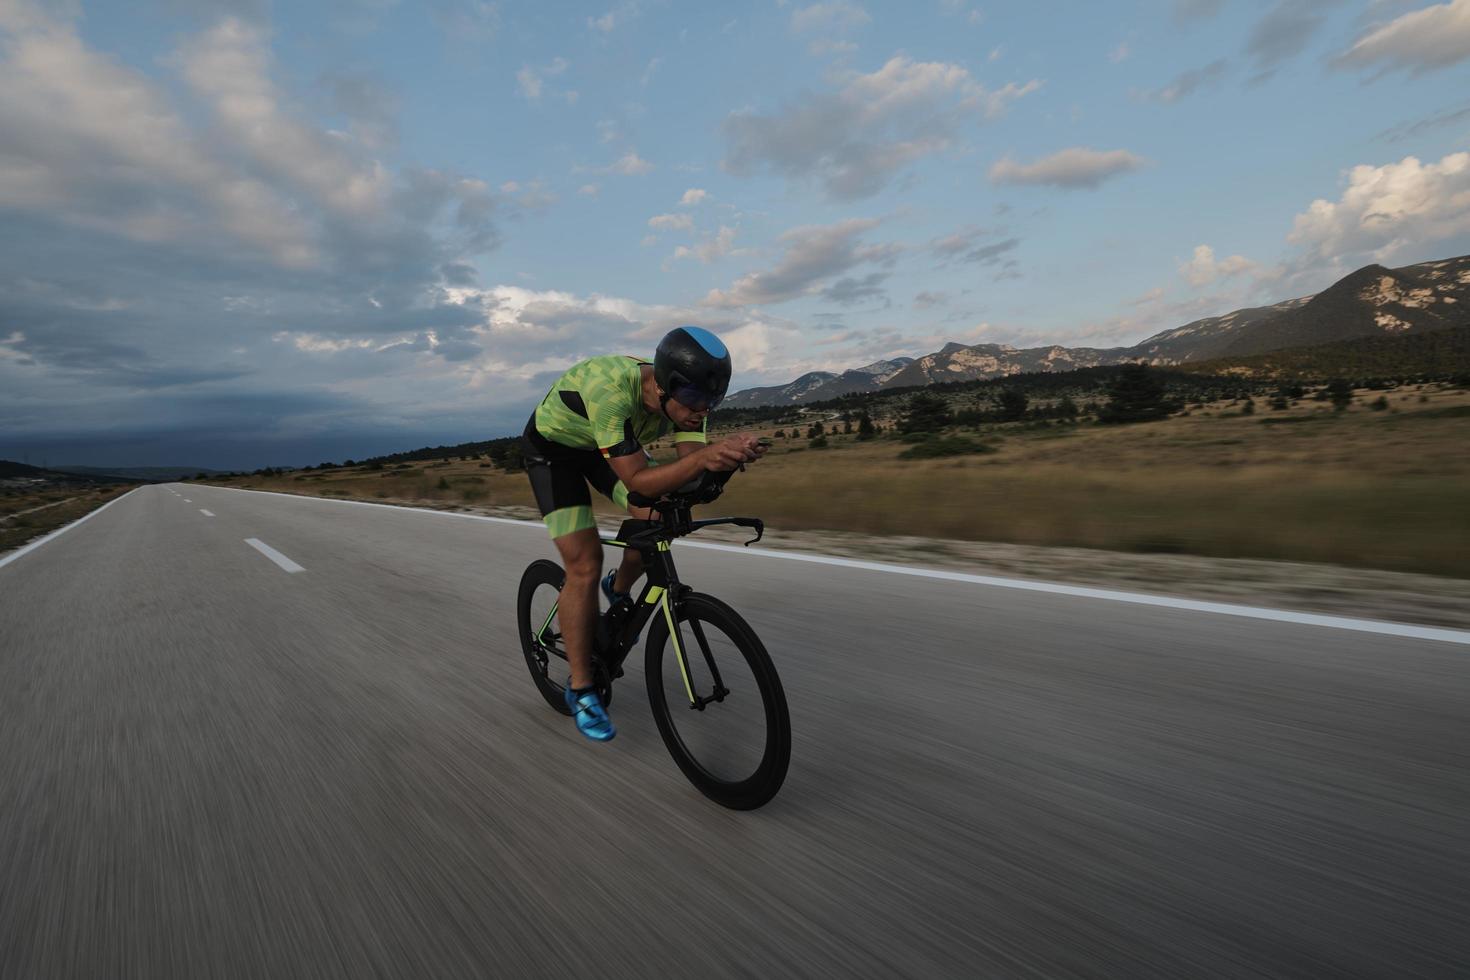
212,767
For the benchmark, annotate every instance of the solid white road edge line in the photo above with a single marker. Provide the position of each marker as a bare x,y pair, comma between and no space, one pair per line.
274,555
62,530
206,513
1055,588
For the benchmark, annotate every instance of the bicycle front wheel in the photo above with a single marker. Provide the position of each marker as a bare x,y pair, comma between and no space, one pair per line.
720,707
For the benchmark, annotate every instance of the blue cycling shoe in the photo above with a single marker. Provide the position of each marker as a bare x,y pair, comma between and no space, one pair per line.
590,715
607,588
613,597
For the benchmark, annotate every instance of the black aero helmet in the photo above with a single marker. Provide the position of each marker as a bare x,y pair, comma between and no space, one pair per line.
692,366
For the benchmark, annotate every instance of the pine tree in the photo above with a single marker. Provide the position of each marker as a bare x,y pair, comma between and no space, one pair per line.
927,413
1136,395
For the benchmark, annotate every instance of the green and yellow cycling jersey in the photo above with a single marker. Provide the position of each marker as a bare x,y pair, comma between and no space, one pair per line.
598,404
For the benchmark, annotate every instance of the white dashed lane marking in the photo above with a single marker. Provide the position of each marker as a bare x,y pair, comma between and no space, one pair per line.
274,555
205,512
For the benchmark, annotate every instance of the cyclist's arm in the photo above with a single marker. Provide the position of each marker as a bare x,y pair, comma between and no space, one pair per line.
655,481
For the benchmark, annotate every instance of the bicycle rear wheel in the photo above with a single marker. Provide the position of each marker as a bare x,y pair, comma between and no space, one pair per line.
735,747
538,621
540,629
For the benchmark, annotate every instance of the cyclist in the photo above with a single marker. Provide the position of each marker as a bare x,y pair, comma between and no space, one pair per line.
591,429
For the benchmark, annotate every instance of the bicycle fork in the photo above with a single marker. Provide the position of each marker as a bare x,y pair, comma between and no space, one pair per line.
696,701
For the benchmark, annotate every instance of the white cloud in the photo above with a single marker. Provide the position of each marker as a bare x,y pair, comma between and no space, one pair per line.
531,81
1417,42
630,164
837,16
588,190
1075,167
617,17
528,334
98,145
814,254
671,222
1388,209
532,196
1119,53
1203,268
710,248
857,138
693,196
228,67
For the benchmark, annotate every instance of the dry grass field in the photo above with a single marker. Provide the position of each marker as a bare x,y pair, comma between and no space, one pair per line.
25,515
1384,489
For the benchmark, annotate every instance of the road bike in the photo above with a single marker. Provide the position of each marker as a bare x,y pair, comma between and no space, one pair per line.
719,707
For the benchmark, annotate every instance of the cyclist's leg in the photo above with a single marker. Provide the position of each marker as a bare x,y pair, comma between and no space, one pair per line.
558,482
606,482
581,556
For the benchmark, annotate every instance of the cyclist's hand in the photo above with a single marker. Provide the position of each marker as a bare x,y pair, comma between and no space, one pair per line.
728,454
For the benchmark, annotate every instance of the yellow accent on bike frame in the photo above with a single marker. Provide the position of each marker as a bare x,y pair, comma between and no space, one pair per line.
663,546
654,591
678,649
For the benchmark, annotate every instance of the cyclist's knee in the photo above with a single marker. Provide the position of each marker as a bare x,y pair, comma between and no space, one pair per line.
581,555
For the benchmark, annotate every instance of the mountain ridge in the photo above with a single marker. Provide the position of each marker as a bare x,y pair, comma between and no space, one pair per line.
1371,301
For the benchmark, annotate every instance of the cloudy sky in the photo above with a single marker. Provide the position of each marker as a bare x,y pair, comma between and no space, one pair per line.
236,233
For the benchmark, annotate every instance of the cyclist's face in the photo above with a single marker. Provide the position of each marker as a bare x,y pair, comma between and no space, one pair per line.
685,417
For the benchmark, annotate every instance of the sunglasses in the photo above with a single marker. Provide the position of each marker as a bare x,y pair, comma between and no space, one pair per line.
694,399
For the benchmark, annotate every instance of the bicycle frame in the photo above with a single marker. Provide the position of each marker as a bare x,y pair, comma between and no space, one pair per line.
662,591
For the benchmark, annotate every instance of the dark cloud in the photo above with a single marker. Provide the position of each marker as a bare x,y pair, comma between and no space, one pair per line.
153,268
1445,117
849,291
813,254
1189,82
966,246
1284,31
370,105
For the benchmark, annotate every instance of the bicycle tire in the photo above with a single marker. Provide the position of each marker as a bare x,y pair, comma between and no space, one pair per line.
765,780
544,572
539,574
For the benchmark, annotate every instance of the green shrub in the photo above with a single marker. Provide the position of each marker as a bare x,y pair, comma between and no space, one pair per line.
946,446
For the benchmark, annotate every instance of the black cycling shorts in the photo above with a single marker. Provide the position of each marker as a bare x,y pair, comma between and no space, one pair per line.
560,476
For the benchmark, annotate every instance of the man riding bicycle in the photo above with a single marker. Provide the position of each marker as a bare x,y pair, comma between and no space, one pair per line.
591,429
